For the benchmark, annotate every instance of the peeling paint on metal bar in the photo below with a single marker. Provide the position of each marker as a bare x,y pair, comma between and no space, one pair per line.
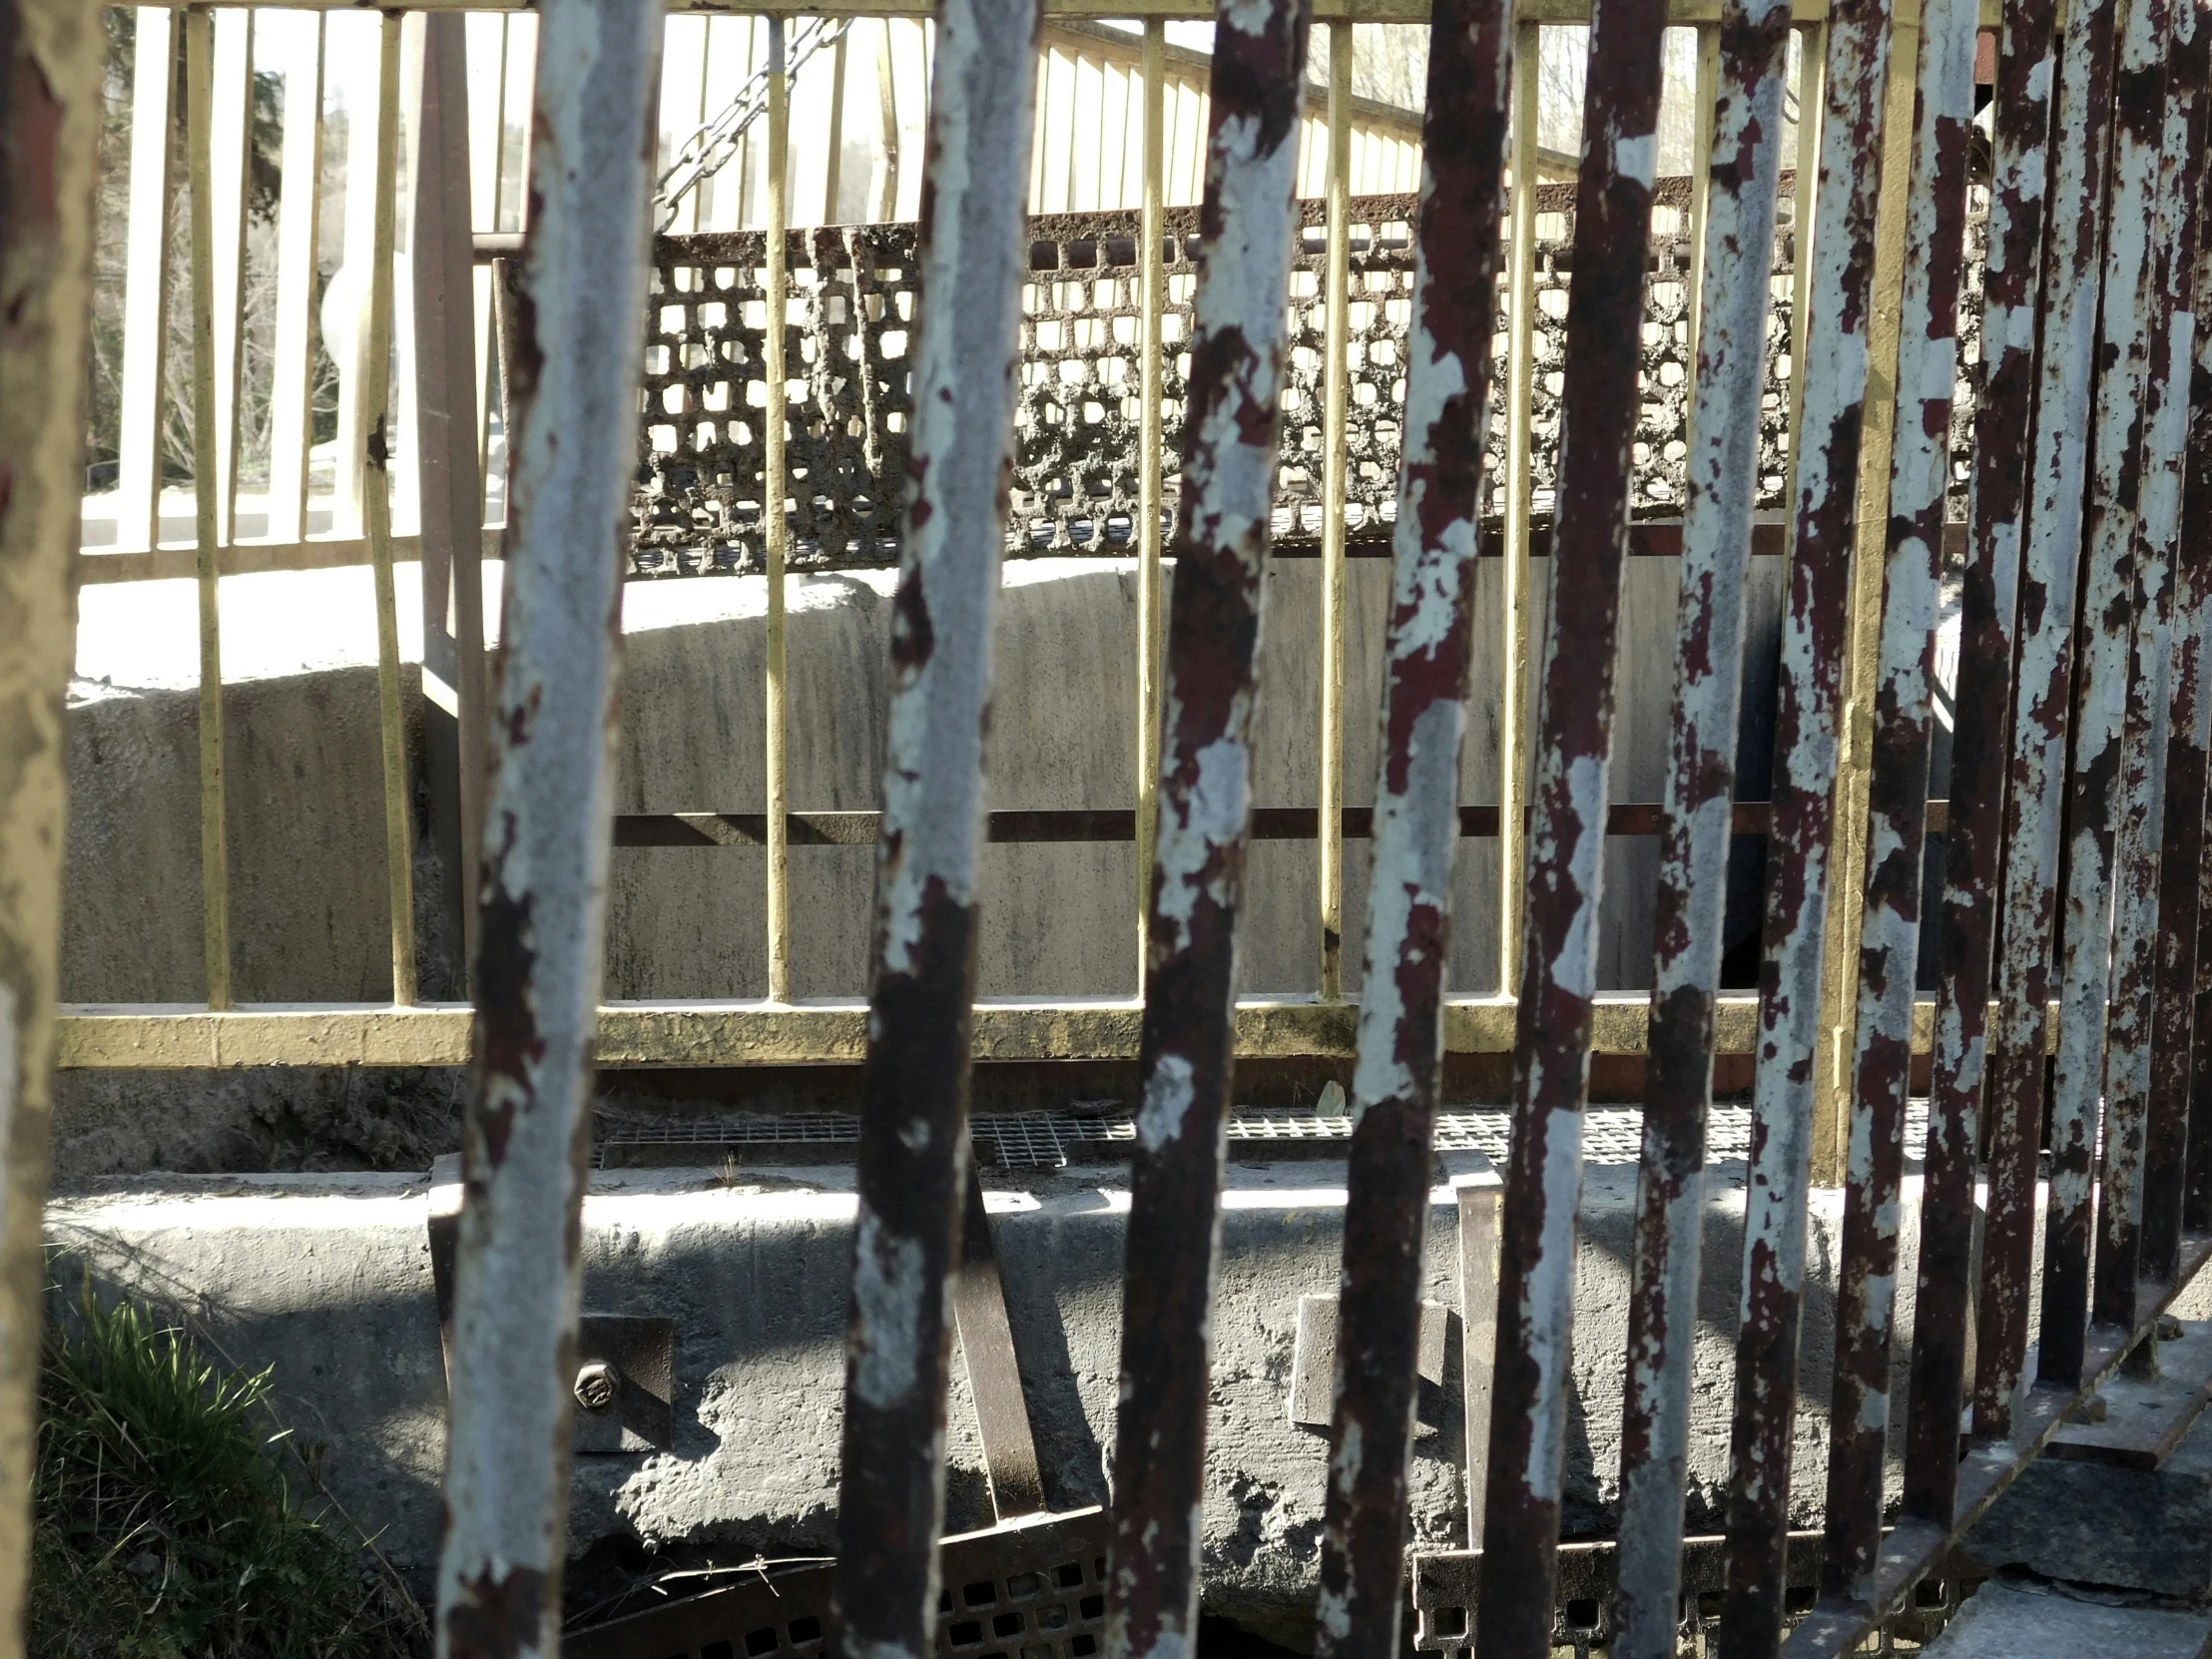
1416,829
1888,946
914,1157
1716,546
543,882
1566,815
1222,523
1839,301
2035,780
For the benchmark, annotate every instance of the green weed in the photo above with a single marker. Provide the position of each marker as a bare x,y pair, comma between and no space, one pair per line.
163,1526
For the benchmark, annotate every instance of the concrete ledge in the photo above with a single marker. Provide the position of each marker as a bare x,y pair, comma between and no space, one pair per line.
327,1278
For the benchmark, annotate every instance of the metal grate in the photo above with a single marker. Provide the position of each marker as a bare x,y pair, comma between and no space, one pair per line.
1033,1589
1611,1136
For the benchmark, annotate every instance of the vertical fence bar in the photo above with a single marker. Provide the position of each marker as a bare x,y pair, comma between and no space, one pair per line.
374,428
232,116
1336,337
1704,114
2150,719
886,94
832,173
451,487
1223,524
1897,795
1846,856
527,1129
1832,373
291,386
1431,650
1150,461
215,853
1520,446
153,198
2112,597
2035,780
1736,231
2173,1145
1566,828
2196,511
774,525
50,119
1811,98
914,1157
2020,132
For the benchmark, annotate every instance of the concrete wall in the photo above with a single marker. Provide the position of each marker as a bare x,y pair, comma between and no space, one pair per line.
327,1279
304,782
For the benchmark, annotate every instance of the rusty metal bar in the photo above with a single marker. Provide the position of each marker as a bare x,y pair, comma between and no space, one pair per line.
2114,595
1329,859
1223,521
775,489
1988,609
526,1132
1901,705
291,390
2188,706
1567,795
51,54
1847,851
1703,113
1431,653
1826,456
1520,371
914,1157
153,200
2183,1068
1150,462
2036,780
2136,1149
373,425
1736,234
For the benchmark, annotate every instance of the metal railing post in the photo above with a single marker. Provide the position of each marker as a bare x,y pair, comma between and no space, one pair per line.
1329,843
1735,228
1150,462
1830,372
1520,453
215,853
1431,650
774,526
1223,528
914,1157
527,1129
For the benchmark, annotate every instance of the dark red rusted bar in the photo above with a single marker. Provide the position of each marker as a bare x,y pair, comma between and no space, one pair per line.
1221,542
1693,862
1566,818
1797,858
913,1165
1415,828
1988,614
2179,826
526,1132
2141,809
2193,990
2035,780
1888,948
2116,593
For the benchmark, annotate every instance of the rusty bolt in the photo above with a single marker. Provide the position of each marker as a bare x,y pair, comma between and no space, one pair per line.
597,1383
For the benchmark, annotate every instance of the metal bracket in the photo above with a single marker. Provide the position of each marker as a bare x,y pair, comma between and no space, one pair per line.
1314,1359
625,1362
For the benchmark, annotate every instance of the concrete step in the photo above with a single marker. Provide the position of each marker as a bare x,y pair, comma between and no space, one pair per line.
2023,1620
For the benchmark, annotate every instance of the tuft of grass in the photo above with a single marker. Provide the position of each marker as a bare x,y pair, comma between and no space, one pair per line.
164,1528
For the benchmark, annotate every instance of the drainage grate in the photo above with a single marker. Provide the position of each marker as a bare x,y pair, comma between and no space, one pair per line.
1033,1589
1053,1140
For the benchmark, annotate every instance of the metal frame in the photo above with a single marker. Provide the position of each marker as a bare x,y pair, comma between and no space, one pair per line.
2102,501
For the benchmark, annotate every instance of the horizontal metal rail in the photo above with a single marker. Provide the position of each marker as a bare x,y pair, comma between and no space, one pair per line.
1111,824
807,1031
1325,11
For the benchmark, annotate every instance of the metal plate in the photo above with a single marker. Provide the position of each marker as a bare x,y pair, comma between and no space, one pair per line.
642,1350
